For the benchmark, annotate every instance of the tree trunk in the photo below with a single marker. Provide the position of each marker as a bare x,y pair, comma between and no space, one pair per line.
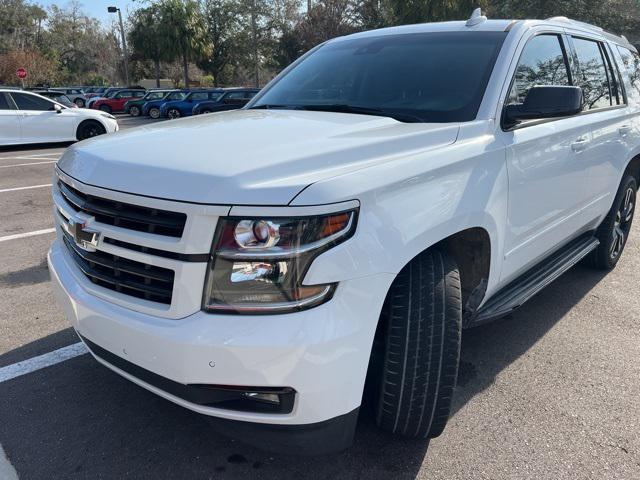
157,62
185,65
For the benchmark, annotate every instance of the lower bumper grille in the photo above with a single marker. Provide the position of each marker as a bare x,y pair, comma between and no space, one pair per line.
123,275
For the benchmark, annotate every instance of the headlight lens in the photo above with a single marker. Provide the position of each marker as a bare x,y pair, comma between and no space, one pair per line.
258,264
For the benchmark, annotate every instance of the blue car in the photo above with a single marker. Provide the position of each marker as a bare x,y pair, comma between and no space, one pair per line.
183,108
152,108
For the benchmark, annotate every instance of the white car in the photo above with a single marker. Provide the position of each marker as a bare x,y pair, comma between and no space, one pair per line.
26,117
387,190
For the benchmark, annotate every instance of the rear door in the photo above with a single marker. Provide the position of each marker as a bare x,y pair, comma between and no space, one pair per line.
545,160
612,123
9,121
40,122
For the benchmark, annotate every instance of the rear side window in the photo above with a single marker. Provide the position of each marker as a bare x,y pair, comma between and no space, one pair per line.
593,76
139,94
631,62
199,96
24,101
542,62
4,102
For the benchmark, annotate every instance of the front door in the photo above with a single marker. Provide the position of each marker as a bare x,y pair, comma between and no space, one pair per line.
545,163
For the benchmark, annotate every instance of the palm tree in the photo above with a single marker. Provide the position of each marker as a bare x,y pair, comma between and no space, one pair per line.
186,31
148,38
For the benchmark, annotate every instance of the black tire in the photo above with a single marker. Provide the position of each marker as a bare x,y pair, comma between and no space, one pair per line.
89,129
422,321
613,232
79,103
206,110
105,108
134,111
173,113
154,112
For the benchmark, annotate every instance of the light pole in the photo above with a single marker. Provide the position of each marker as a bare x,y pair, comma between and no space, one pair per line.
124,43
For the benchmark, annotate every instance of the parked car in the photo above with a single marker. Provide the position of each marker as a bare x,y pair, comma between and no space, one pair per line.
116,102
76,95
152,108
184,107
57,96
108,93
134,107
388,190
231,99
26,117
94,90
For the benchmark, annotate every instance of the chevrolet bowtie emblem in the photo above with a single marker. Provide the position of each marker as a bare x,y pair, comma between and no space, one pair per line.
85,238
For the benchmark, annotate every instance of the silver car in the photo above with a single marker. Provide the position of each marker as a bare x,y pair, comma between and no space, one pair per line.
76,95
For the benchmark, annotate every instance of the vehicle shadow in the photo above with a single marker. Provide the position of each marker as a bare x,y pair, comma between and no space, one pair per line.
79,420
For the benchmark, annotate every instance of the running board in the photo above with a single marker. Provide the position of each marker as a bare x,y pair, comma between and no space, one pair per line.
531,282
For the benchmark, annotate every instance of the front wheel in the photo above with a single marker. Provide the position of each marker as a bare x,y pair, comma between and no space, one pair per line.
173,113
134,111
422,324
89,129
614,231
154,113
105,108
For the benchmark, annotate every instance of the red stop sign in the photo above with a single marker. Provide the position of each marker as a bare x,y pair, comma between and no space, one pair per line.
21,73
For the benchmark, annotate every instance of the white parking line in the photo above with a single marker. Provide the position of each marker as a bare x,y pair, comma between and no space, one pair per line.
7,472
27,164
16,236
36,363
24,188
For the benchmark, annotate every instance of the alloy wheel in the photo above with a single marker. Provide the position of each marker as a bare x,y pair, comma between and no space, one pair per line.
154,113
622,224
173,113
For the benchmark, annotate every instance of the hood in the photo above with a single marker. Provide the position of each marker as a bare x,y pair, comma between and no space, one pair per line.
245,157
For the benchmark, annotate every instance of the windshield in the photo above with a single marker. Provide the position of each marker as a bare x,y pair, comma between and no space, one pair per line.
421,77
176,96
154,95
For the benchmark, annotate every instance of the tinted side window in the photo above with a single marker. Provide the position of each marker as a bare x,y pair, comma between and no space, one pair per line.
199,96
31,102
592,75
235,95
631,62
139,94
4,102
542,62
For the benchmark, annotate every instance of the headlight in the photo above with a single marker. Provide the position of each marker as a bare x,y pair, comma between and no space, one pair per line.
108,115
258,264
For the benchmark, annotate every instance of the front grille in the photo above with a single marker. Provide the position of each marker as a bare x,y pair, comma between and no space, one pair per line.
123,275
125,215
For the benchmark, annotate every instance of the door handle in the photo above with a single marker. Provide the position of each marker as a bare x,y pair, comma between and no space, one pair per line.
580,144
624,129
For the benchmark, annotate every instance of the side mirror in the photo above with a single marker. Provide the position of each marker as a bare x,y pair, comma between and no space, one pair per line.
57,108
544,102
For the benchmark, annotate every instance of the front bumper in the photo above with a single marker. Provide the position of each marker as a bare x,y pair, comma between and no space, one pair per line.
322,353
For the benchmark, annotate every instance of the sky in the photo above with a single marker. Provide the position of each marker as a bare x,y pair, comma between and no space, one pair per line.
98,8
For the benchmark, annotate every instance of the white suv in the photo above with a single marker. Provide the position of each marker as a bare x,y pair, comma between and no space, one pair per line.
387,190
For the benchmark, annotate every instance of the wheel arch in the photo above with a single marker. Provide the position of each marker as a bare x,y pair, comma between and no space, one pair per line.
633,168
89,120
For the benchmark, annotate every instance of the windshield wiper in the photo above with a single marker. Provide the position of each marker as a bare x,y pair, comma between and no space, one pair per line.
346,108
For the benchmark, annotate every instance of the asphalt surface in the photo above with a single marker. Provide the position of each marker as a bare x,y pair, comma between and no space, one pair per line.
552,392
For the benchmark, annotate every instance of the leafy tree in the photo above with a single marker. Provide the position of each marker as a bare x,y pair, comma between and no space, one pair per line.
148,38
224,28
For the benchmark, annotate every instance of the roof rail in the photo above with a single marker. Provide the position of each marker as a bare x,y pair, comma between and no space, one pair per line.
575,22
476,18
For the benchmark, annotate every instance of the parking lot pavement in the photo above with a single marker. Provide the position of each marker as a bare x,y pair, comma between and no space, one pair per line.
549,393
